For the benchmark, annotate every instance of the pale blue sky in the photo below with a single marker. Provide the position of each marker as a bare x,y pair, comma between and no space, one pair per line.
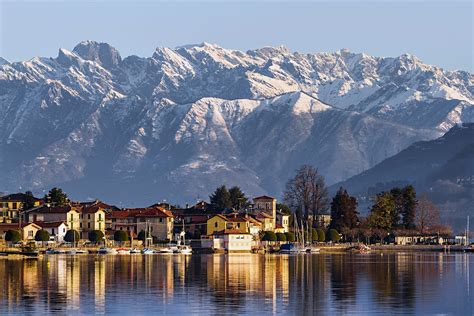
438,32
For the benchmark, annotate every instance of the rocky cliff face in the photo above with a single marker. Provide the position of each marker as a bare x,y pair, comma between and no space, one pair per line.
185,120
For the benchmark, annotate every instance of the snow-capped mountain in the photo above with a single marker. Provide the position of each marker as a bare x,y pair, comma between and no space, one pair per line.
185,120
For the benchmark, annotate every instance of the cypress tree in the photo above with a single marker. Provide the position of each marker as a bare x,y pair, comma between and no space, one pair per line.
343,211
409,207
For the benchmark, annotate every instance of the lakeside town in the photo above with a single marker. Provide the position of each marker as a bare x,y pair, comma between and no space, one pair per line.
229,222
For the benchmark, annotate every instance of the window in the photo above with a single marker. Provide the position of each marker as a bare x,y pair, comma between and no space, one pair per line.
215,224
14,205
100,217
161,220
52,231
30,233
72,217
238,225
88,216
88,225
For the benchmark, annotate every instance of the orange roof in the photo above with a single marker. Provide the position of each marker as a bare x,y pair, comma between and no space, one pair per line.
264,215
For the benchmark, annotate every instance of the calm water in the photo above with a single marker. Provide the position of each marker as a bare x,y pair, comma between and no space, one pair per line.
421,283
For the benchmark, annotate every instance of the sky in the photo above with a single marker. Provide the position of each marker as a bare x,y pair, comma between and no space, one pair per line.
438,32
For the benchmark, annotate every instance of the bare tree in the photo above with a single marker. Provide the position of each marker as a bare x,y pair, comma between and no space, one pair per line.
307,192
427,215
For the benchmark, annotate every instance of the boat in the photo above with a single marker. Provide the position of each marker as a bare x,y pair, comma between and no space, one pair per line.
81,251
134,251
50,251
312,249
123,251
71,252
106,251
292,248
148,251
186,250
166,250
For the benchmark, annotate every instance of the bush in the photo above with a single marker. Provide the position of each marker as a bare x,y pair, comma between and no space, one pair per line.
269,236
321,235
281,237
121,236
12,236
314,235
72,236
42,235
290,237
333,235
96,236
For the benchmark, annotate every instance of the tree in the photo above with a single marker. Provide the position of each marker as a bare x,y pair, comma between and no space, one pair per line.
314,235
238,199
290,237
399,200
269,236
307,192
12,236
96,236
72,236
321,235
409,207
121,236
343,211
220,199
29,201
427,215
56,197
333,235
381,213
283,208
281,237
42,235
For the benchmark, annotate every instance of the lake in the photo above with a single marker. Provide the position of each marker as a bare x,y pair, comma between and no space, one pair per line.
378,283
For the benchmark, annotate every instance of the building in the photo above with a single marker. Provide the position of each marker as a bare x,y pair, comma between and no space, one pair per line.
92,218
268,223
11,205
68,214
266,204
57,230
283,221
27,230
419,240
234,221
157,220
229,240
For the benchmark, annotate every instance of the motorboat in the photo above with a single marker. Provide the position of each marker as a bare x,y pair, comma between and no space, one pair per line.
312,249
291,248
148,251
166,250
135,251
186,250
106,251
123,251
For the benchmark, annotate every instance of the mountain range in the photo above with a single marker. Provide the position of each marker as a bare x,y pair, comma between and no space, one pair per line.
185,120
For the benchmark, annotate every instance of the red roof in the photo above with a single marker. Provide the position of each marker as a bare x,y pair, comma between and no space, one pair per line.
198,219
54,209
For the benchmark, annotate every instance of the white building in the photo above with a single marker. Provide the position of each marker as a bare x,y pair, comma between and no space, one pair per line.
229,241
57,230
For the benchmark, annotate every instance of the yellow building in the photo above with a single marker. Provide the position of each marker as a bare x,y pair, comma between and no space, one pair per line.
11,205
27,230
216,223
68,214
219,223
92,218
266,204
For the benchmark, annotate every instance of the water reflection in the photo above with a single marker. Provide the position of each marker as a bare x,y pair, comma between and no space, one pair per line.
241,283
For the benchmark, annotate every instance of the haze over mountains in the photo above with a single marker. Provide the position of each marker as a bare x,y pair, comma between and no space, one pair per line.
177,124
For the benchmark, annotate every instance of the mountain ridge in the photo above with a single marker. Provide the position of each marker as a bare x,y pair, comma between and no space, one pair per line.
253,116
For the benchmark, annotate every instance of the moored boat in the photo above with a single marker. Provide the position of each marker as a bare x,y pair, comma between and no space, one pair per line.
185,250
148,251
106,251
123,251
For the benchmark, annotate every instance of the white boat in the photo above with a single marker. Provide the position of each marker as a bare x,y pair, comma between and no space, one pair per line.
50,251
123,251
148,251
166,250
106,251
312,249
186,250
134,251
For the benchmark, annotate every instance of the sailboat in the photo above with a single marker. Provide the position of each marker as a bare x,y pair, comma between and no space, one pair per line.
468,247
298,246
182,248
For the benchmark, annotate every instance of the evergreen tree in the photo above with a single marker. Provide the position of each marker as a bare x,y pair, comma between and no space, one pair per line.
96,236
29,201
57,197
343,211
399,200
238,199
220,199
409,207
381,213
283,208
42,235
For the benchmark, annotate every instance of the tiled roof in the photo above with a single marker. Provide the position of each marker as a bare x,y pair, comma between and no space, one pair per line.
263,215
20,197
49,224
54,209
13,226
264,197
141,212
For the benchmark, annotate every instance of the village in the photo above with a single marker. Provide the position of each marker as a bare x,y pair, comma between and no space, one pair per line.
56,224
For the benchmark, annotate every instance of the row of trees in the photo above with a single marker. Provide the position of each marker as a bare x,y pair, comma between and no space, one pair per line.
224,198
317,235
